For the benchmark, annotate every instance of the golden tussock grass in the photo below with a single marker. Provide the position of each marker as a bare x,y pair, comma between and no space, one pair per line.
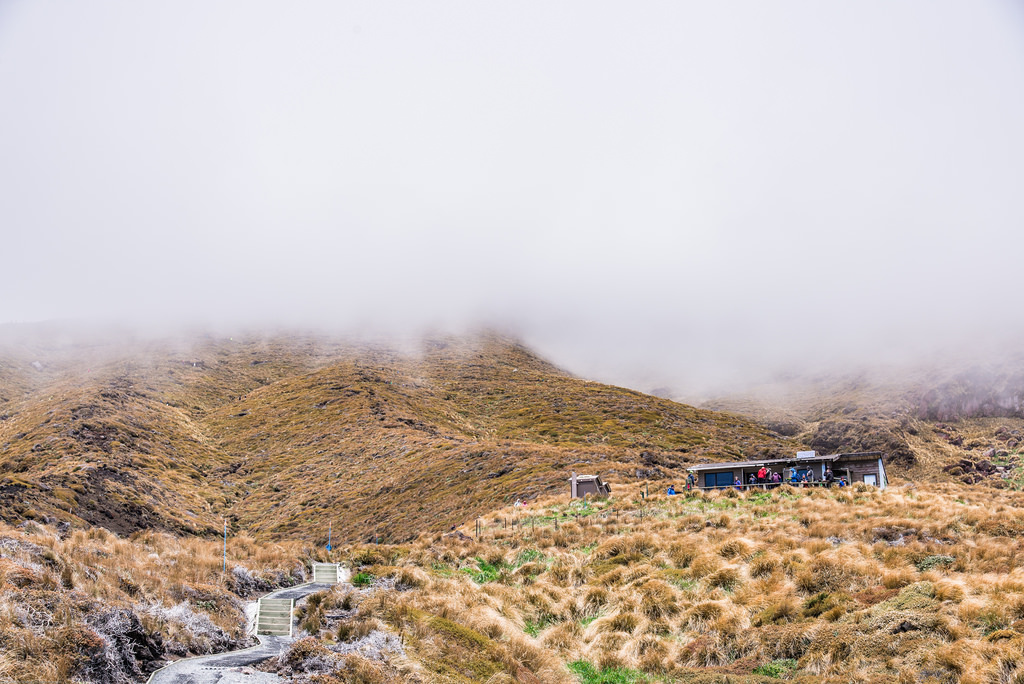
887,584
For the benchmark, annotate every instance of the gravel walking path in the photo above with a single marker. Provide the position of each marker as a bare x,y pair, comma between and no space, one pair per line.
235,667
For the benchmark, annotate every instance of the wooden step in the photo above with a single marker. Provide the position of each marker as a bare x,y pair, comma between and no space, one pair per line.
274,617
326,573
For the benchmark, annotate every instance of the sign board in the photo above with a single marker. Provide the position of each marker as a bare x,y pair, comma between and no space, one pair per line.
806,454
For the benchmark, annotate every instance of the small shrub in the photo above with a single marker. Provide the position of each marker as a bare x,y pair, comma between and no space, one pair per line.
303,650
932,562
367,556
822,603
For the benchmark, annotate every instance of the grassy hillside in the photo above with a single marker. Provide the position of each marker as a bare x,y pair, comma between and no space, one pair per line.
283,435
398,444
857,585
913,585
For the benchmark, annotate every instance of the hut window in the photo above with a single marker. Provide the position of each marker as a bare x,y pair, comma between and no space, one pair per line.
717,479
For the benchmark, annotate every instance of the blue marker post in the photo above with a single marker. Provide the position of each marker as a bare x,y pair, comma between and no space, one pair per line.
329,536
224,568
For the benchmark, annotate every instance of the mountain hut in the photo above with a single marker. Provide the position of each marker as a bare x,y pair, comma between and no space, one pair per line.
868,467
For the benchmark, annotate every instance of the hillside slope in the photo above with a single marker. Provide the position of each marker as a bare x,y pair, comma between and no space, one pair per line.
936,421
910,584
427,442
284,435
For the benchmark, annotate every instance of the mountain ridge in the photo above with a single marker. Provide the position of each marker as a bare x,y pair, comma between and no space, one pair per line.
281,435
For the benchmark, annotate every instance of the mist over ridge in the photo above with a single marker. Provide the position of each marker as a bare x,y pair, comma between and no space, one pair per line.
679,197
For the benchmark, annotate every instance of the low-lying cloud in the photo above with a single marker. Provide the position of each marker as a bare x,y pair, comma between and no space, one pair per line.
662,195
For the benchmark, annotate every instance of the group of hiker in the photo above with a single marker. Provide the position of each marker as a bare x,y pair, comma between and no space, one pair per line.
767,478
808,478
764,476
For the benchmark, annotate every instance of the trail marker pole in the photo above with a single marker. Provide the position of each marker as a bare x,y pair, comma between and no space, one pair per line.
329,537
224,567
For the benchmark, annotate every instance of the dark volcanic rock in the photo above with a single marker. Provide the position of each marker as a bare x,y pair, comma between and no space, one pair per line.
127,651
786,428
836,436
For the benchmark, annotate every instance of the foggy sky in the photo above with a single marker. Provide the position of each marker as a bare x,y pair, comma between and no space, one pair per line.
654,193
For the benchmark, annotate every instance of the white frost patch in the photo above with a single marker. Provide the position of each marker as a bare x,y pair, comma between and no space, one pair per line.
252,609
198,625
373,646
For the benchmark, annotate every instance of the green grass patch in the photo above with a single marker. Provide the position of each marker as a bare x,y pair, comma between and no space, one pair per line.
441,570
484,572
679,578
362,579
586,673
778,669
535,627
529,556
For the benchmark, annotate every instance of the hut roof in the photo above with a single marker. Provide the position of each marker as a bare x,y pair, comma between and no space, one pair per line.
829,458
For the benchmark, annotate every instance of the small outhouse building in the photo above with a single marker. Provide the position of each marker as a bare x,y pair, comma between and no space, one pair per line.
588,485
